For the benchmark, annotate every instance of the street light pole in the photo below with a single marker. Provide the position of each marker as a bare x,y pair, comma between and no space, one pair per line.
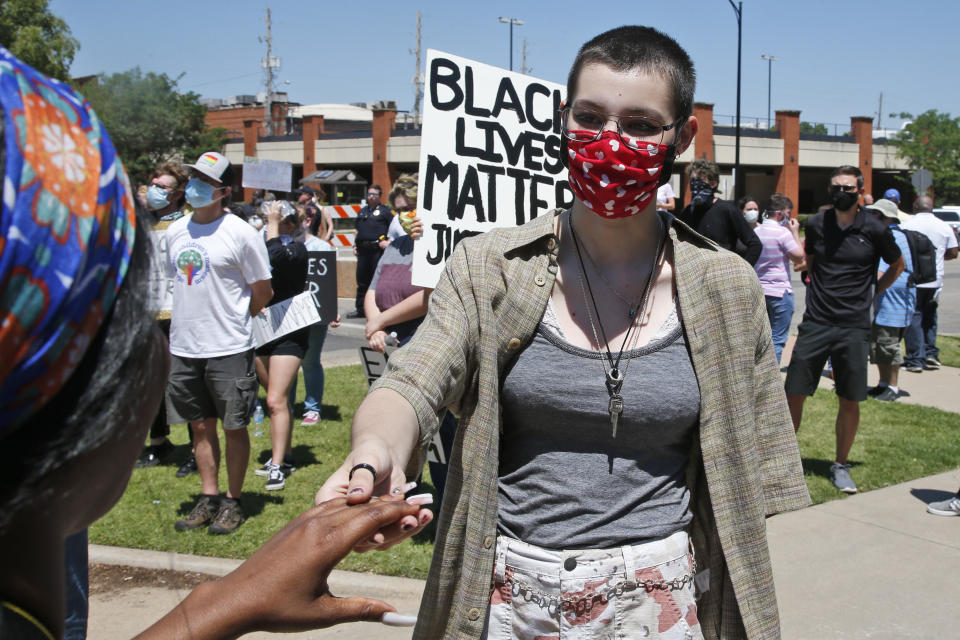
737,186
770,60
511,22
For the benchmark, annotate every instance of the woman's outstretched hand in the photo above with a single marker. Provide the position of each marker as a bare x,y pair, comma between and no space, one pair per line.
283,586
390,481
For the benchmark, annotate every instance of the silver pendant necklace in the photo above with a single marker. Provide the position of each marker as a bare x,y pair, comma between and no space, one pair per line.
614,376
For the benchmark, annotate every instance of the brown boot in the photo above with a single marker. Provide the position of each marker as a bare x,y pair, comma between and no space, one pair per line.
228,517
203,512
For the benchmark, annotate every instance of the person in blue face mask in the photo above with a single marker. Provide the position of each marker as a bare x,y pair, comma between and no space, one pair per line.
221,279
165,195
165,201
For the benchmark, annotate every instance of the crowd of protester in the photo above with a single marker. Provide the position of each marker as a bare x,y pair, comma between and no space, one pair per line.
226,262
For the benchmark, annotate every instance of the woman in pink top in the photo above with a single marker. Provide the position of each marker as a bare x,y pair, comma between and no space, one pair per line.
779,235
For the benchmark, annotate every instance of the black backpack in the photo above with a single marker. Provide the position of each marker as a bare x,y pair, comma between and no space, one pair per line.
924,257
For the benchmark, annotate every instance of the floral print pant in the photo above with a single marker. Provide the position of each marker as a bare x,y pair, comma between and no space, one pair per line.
639,591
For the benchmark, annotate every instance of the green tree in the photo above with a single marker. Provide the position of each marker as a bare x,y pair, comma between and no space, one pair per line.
931,141
150,122
36,36
808,127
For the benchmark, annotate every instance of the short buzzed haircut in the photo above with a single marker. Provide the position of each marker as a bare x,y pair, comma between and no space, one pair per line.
632,47
923,203
779,202
848,170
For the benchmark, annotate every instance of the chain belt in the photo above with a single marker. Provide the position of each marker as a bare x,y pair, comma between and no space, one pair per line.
584,603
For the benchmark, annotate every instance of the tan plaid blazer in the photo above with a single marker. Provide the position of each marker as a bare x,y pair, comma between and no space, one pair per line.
744,466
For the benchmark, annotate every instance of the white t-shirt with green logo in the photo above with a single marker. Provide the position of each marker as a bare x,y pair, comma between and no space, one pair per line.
212,266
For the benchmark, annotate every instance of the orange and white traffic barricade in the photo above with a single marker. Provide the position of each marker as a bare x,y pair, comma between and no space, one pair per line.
342,211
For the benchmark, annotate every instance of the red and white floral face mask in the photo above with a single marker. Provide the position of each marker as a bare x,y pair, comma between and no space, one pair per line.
613,180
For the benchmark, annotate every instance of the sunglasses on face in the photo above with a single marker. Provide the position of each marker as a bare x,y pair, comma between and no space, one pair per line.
846,188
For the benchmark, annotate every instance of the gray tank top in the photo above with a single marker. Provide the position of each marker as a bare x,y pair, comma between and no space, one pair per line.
564,481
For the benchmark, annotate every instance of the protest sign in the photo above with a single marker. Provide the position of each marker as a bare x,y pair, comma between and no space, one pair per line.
284,317
322,283
272,175
159,284
374,366
489,155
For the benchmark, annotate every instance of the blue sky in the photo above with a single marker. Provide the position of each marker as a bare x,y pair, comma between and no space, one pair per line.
835,57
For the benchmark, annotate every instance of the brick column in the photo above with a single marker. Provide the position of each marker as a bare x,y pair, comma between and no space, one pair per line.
278,114
310,127
788,175
862,129
251,129
383,124
703,142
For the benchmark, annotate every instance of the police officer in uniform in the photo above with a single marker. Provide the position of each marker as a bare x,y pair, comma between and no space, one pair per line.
373,221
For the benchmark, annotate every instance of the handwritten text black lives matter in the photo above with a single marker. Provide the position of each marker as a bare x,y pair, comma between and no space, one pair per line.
527,163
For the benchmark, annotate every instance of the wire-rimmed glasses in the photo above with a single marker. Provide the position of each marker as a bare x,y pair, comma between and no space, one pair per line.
586,125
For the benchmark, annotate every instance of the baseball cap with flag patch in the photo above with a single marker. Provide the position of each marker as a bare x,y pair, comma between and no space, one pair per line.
211,164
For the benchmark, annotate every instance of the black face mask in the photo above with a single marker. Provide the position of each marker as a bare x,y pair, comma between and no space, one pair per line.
701,192
842,200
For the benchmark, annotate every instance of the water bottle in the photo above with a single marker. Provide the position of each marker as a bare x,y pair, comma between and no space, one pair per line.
258,420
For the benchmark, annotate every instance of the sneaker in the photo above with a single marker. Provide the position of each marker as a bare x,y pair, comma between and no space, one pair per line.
887,395
155,454
265,469
287,467
277,478
203,512
310,418
229,517
840,476
949,507
356,313
189,466
877,390
912,368
932,363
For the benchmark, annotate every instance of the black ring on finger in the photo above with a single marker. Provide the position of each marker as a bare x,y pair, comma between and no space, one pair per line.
363,465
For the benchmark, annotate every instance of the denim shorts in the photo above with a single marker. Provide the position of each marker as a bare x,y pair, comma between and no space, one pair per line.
224,387
634,591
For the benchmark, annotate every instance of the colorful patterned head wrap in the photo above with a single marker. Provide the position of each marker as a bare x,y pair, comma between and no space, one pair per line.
66,231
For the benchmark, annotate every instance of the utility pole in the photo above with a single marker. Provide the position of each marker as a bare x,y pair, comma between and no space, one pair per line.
523,61
511,22
737,179
417,81
268,101
880,113
770,60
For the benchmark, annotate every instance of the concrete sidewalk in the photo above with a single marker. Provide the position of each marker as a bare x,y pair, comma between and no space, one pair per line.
874,565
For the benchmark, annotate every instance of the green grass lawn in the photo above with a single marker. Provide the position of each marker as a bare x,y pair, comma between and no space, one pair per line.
949,350
896,443
155,499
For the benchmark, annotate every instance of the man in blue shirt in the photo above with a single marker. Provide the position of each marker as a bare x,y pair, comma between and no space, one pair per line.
894,308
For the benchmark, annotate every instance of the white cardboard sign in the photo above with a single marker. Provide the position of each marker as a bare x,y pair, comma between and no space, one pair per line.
489,155
284,317
272,175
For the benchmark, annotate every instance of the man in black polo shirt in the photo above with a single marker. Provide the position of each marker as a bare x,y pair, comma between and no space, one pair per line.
373,221
843,248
